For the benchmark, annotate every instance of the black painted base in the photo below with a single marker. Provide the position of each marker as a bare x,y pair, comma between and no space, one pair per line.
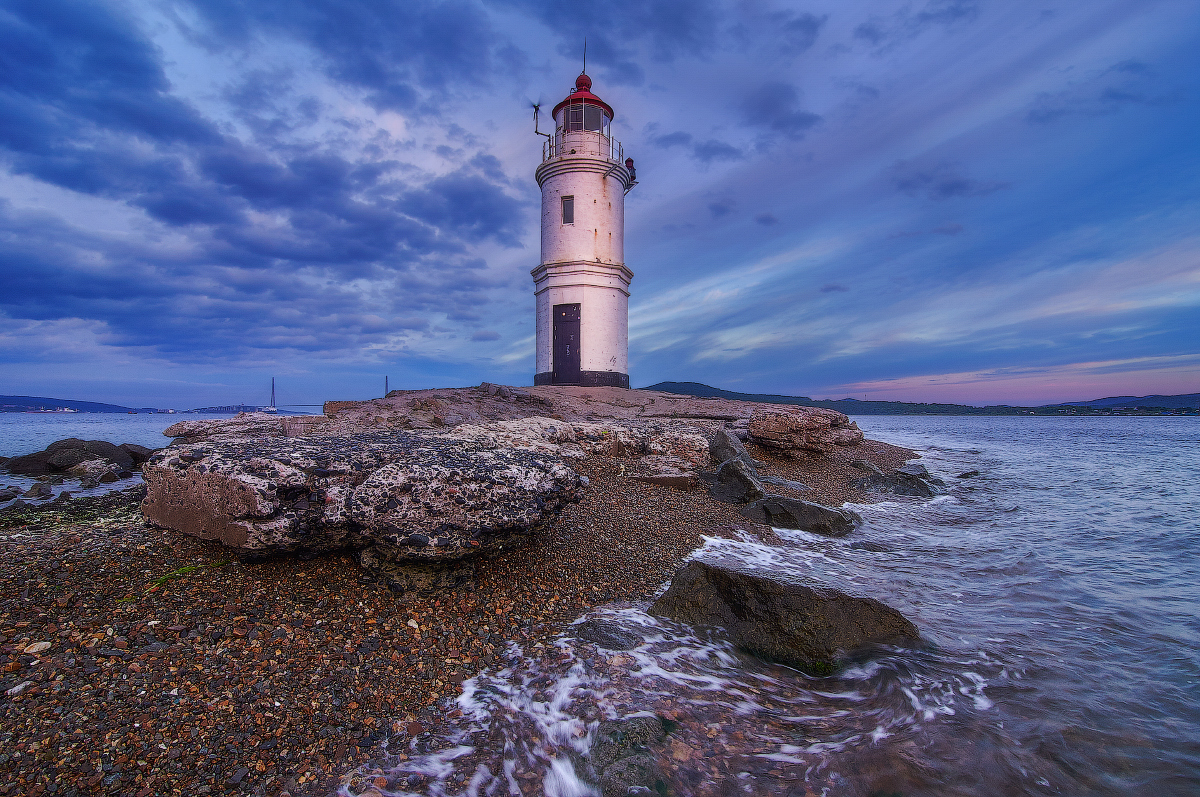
587,379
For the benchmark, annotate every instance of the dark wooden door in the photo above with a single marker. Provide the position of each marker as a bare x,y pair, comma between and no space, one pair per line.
566,344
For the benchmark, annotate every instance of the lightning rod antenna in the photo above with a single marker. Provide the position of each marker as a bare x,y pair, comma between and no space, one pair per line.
584,72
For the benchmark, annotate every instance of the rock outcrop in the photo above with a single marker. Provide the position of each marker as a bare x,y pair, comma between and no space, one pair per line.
911,479
801,623
737,482
409,498
65,456
792,513
803,429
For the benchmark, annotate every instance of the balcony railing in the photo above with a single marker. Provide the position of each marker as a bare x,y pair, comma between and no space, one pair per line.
583,142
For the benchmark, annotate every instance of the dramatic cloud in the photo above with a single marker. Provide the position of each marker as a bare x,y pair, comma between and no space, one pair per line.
200,195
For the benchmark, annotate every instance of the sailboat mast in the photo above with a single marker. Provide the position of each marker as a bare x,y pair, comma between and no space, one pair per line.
272,391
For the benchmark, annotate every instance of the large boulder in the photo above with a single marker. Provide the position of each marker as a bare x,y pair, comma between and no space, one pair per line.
137,453
792,513
736,482
911,479
409,498
726,446
92,472
35,464
63,455
99,448
795,429
799,622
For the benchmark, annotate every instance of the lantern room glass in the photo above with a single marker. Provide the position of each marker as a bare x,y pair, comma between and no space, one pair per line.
585,116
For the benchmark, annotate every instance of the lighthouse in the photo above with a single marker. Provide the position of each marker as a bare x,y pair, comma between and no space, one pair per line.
582,283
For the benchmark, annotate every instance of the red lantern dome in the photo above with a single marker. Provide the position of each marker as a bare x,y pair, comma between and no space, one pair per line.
582,95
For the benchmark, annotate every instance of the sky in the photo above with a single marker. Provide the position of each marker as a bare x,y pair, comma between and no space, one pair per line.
975,202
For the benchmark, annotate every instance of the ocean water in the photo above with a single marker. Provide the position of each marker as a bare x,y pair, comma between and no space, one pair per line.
1058,594
27,432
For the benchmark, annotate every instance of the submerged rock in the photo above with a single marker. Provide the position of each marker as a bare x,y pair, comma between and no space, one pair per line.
621,758
606,635
410,498
792,513
802,623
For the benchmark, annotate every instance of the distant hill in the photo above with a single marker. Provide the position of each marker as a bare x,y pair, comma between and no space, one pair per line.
1191,400
855,407
36,403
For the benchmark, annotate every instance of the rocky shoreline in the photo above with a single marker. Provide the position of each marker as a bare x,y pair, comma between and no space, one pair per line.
176,667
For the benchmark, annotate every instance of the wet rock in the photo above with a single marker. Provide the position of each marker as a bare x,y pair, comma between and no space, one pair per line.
606,635
867,465
621,756
69,457
967,475
792,513
8,493
911,479
64,456
35,464
800,622
919,470
39,491
137,453
100,448
736,483
409,497
94,471
796,429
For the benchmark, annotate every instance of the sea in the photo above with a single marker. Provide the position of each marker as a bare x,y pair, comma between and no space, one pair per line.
1057,592
27,432
1058,597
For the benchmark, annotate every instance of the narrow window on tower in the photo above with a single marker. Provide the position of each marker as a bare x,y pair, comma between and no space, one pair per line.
568,209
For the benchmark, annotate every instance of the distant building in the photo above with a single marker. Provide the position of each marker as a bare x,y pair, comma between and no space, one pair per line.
582,284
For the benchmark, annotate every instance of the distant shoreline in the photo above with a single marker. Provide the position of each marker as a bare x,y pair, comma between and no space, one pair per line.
856,407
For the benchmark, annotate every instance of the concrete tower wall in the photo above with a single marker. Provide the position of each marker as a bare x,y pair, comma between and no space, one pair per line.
583,262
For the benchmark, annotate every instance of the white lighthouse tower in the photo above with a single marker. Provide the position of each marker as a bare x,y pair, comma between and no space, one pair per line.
582,283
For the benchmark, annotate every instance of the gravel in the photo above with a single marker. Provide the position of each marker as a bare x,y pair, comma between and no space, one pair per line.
173,669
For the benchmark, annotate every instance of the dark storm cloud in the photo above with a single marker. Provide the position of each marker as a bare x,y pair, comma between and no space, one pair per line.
618,32
703,151
775,105
274,231
939,180
401,54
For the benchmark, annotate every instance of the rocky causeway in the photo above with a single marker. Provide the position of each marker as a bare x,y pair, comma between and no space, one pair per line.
288,594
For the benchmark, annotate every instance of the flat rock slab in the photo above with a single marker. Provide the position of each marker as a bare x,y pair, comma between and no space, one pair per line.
406,496
802,623
792,513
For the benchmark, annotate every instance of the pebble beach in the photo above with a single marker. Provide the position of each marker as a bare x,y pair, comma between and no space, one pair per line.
141,661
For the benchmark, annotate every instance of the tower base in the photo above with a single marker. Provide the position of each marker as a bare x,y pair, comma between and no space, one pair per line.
587,379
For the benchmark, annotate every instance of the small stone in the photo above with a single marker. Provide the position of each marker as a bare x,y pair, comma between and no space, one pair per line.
35,648
19,688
